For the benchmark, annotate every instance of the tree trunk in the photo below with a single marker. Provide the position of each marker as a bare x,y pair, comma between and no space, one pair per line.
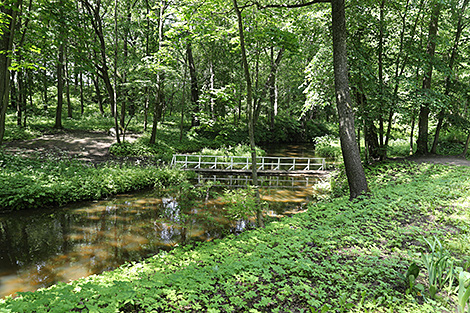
352,159
422,142
467,142
44,81
97,24
194,85
453,56
399,71
60,87
411,133
382,150
158,107
6,44
249,100
67,85
99,97
82,98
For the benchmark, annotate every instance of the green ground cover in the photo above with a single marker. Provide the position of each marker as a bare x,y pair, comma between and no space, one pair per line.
40,181
339,256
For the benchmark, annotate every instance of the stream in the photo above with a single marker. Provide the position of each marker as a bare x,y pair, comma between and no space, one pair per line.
39,248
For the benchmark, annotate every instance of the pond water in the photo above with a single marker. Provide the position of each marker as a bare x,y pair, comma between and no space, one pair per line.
42,247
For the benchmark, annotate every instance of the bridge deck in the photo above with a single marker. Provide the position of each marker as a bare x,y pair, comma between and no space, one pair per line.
238,165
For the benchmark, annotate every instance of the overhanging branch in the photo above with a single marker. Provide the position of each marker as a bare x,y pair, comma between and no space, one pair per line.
291,6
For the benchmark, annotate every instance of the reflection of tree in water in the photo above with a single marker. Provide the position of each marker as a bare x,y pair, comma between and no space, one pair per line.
38,249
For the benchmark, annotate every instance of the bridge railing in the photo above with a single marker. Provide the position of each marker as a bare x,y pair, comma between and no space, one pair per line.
190,161
267,182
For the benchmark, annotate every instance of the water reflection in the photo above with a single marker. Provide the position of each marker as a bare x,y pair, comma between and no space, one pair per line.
41,248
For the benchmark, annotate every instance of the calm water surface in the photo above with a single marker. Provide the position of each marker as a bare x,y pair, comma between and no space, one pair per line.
40,248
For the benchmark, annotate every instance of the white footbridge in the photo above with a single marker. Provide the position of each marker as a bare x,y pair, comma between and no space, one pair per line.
242,165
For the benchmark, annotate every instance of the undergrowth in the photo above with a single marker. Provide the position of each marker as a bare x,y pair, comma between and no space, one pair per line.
38,181
340,256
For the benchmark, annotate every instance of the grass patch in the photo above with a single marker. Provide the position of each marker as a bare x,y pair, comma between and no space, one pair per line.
44,181
339,256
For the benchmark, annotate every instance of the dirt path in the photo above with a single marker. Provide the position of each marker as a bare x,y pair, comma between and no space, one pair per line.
441,159
84,145
94,146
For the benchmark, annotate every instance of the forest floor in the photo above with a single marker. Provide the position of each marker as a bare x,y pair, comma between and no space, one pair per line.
93,146
90,146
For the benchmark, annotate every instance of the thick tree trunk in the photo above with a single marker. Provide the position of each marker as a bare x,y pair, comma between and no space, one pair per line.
422,142
249,100
352,159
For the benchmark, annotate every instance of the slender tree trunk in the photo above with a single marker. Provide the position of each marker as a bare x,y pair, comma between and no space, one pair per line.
20,93
453,56
97,24
467,142
249,100
422,142
183,101
115,81
352,159
411,133
45,86
382,149
158,107
194,85
271,84
6,44
99,97
399,71
60,87
82,98
67,85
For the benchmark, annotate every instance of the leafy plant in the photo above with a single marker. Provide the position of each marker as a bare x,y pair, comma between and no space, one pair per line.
410,279
464,291
241,204
438,265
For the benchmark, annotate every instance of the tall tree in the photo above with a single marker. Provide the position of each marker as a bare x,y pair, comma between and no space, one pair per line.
95,15
349,148
8,17
422,141
249,100
453,55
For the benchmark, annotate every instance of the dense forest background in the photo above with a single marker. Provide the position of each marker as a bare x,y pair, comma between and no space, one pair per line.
180,61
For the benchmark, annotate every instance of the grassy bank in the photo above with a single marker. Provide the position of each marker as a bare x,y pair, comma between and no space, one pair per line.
337,257
34,182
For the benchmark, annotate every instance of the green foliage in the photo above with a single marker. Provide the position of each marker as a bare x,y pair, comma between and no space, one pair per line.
328,146
410,280
339,256
439,266
37,182
238,150
241,204
464,291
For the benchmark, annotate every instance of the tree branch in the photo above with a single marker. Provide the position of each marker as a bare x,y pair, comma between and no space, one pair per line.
291,6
